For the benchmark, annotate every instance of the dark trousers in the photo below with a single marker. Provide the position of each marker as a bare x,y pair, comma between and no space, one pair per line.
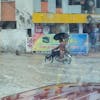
55,53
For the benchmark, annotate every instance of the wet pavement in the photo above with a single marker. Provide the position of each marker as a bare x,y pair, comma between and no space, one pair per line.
25,72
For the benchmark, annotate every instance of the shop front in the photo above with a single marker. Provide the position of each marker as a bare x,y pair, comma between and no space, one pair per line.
60,22
48,24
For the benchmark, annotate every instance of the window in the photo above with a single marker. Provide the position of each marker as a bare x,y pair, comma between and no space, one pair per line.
98,3
44,0
8,24
74,2
29,32
58,3
74,28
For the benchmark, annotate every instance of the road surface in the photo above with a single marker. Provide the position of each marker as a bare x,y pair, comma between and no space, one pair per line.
25,72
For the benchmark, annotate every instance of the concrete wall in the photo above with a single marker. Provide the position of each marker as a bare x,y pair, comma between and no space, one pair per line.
52,6
74,9
37,6
26,5
12,40
25,10
97,10
65,6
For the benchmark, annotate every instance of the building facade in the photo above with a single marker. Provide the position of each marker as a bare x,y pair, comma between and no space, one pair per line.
71,14
56,14
15,14
15,20
18,14
46,16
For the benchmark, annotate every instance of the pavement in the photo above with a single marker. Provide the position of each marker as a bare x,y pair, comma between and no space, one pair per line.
27,71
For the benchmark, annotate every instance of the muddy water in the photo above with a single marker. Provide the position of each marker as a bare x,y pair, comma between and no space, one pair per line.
25,72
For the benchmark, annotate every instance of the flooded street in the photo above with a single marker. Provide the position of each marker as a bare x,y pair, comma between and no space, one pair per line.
25,72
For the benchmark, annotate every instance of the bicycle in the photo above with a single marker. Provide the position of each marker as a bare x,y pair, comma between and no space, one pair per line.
66,59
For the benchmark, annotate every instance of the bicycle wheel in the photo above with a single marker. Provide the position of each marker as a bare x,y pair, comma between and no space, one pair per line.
67,59
57,58
48,58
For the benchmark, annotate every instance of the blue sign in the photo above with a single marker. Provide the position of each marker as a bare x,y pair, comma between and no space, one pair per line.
78,44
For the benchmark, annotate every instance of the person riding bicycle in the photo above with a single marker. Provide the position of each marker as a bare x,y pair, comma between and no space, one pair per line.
61,52
60,49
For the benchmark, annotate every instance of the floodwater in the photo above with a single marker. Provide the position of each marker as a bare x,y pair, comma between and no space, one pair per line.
27,71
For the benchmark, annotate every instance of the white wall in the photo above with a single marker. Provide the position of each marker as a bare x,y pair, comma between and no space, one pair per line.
26,9
37,5
74,9
65,6
25,5
52,6
97,10
11,40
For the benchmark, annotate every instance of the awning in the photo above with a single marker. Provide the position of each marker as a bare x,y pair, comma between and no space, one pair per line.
59,18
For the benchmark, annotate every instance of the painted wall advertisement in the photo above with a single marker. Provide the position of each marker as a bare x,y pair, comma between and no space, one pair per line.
78,43
44,42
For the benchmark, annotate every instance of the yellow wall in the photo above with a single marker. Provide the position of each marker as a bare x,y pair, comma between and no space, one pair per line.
59,18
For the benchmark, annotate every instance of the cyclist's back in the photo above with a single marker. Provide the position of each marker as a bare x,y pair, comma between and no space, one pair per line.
62,46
